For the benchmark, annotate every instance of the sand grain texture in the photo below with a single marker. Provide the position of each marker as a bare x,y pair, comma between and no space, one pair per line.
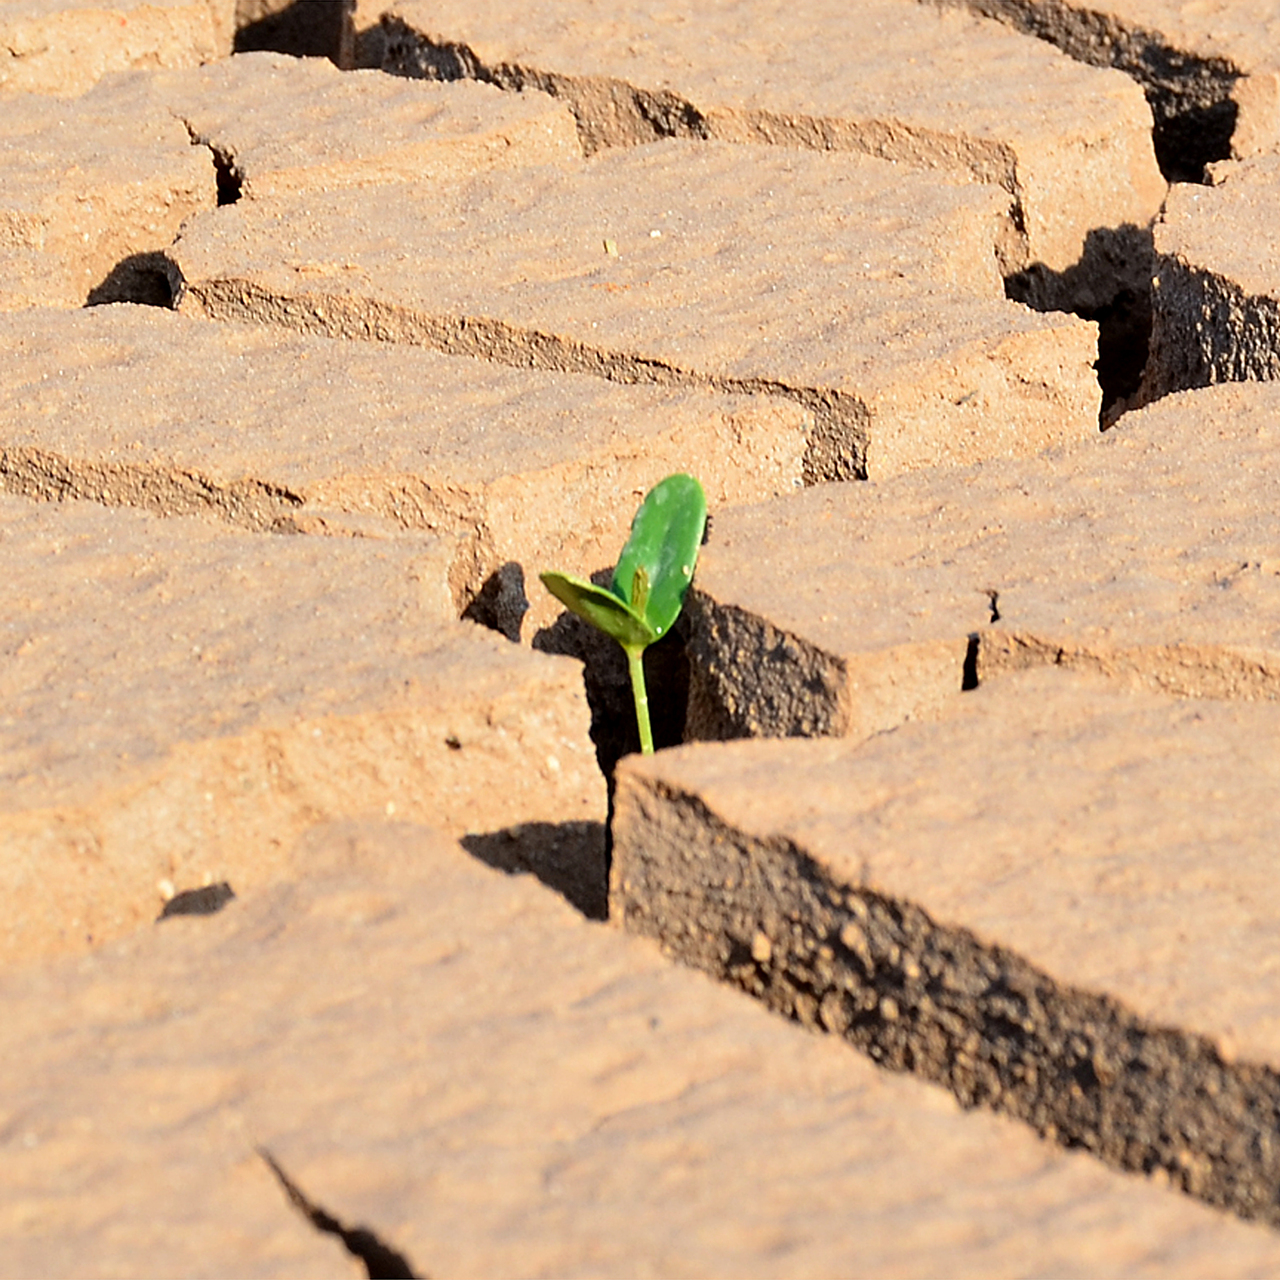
63,47
181,701
456,1062
868,295
1057,899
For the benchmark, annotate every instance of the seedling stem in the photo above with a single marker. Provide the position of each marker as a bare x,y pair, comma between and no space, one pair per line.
635,664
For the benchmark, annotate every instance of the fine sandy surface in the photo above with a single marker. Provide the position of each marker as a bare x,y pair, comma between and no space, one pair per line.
347,933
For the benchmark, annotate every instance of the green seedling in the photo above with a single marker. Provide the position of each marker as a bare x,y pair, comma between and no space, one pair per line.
649,583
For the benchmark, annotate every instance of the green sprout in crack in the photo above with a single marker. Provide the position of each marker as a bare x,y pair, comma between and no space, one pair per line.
649,583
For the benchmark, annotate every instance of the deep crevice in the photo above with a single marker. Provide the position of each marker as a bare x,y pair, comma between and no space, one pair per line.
608,684
969,680
381,1261
500,606
501,602
916,995
1186,142
303,29
230,180
573,858
1190,96
141,278
227,176
1110,285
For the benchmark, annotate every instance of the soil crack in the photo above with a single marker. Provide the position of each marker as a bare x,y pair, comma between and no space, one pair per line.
837,447
381,1261
229,178
610,112
46,476
924,997
1190,96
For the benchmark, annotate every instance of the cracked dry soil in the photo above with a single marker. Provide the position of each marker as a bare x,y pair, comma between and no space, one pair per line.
309,364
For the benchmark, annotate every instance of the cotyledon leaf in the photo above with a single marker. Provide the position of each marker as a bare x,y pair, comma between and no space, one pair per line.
602,608
665,536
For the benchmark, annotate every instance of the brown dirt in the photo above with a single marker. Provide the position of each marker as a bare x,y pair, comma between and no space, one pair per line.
266,1013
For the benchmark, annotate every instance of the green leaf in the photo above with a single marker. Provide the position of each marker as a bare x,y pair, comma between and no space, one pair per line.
602,608
664,542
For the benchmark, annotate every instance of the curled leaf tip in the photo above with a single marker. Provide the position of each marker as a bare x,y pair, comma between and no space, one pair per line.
640,590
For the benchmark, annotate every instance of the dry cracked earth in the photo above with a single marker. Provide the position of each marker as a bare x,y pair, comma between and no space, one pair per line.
345,932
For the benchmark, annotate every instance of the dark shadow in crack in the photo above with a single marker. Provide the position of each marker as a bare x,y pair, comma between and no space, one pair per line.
229,178
304,29
569,857
142,278
381,1261
1110,285
1188,137
207,901
501,603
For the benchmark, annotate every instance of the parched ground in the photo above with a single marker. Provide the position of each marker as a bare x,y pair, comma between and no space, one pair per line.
346,932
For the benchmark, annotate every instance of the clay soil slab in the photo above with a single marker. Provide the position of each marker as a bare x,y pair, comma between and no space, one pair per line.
86,184
1060,900
291,432
179,701
1210,70
64,46
486,1084
1152,556
93,185
281,124
1070,144
1217,288
866,293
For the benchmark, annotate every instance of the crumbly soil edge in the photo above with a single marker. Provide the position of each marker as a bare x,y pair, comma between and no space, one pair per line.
1207,330
1190,95
616,113
1110,284
921,996
837,446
